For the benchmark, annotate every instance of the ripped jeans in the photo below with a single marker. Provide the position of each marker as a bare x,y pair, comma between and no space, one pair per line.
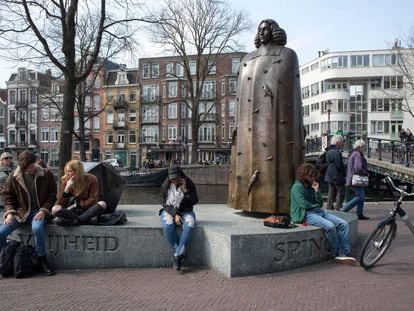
179,241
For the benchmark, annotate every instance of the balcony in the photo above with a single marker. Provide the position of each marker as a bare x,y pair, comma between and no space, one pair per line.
120,125
22,104
150,99
120,105
150,120
118,146
149,139
21,123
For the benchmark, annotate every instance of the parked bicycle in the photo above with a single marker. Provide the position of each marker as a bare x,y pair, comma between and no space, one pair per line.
377,244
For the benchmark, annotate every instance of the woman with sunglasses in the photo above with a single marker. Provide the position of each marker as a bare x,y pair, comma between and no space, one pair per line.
6,168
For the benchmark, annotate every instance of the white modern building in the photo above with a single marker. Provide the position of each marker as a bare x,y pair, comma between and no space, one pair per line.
362,92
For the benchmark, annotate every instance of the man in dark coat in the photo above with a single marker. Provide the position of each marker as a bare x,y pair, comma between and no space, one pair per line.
335,173
29,195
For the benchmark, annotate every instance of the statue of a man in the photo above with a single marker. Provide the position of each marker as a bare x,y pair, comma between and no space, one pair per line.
267,143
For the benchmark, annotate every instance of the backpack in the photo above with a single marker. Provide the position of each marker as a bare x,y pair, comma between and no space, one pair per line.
7,255
112,219
25,261
321,164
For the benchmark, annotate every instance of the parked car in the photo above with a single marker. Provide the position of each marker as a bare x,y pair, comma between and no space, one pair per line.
114,162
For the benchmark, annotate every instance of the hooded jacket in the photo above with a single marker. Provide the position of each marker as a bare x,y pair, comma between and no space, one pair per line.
17,198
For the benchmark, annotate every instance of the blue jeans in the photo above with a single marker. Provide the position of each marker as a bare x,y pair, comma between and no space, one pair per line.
38,228
357,200
179,242
336,230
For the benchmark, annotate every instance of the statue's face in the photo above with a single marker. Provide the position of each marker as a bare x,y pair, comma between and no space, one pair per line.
265,35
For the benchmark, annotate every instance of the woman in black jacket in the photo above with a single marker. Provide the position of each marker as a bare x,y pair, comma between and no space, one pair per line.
179,195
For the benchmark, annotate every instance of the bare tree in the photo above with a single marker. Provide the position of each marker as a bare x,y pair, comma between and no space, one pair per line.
402,61
70,34
197,30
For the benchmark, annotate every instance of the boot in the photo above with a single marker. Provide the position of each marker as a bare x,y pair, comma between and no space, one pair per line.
60,221
66,217
94,210
45,267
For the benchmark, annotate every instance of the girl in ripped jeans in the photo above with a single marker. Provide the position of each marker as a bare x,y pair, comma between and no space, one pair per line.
179,195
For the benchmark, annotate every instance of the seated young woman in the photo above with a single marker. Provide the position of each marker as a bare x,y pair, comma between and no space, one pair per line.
78,198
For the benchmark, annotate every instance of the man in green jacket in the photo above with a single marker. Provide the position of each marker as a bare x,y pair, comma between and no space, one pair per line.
306,207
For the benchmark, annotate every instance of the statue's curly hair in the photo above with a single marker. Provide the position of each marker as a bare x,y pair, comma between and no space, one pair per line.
306,170
278,34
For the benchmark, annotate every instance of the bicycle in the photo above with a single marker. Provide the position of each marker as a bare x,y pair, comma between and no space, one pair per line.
377,244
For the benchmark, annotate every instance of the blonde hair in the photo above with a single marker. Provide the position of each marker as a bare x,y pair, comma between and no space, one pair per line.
79,179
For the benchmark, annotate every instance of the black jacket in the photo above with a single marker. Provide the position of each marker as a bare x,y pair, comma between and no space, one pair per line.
336,171
187,204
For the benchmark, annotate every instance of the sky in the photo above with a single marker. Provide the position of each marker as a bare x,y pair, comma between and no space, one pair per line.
316,25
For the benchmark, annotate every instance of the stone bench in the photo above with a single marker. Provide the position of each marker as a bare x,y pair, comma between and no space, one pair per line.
228,241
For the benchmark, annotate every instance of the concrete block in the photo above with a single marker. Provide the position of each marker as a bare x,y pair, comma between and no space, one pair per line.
231,242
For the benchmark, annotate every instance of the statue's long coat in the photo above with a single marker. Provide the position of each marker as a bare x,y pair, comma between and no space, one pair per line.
268,142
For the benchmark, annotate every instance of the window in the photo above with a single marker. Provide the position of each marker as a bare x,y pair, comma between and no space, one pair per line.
132,95
22,96
169,70
232,108
305,92
209,89
359,60
314,107
382,60
109,138
212,67
145,71
155,70
315,89
334,62
132,115
12,97
235,65
232,86
33,96
120,137
193,67
172,132
53,134
172,89
45,113
183,110
97,83
150,134
132,137
306,110
231,129
96,102
96,124
314,66
45,134
150,92
121,78
223,131
109,116
305,70
12,137
183,90
380,127
179,70
172,111
223,109
150,113
32,137
33,116
207,133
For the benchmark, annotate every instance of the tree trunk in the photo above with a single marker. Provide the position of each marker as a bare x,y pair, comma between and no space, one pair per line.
66,134
194,139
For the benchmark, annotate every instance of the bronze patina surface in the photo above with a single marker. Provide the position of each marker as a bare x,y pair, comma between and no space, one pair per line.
267,143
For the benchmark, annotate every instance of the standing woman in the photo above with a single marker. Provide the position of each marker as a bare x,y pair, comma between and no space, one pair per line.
357,164
6,168
78,198
179,195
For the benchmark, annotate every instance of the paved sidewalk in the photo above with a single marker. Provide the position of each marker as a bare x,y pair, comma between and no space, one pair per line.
325,286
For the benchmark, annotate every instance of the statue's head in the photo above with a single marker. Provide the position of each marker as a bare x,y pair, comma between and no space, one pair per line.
269,31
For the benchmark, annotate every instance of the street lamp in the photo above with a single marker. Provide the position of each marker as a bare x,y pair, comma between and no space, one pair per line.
328,110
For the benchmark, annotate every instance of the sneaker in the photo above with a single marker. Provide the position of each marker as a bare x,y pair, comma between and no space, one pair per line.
362,217
345,260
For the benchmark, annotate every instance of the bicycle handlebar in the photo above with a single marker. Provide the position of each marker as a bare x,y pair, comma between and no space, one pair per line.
402,193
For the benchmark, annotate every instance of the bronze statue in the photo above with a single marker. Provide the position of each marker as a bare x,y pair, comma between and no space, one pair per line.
267,144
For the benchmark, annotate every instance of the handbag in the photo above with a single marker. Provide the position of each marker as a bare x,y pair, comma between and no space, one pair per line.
278,221
360,180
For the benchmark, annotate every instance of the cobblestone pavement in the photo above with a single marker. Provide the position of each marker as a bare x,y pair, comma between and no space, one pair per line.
325,286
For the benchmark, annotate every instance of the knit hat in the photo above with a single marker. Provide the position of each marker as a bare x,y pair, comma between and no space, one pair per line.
174,172
25,159
5,155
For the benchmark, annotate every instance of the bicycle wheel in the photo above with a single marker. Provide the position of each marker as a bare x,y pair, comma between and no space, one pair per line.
376,245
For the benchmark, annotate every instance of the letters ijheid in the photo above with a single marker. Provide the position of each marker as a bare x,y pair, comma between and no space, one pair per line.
58,243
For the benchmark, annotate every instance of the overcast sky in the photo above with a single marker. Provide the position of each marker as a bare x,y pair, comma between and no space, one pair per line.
314,25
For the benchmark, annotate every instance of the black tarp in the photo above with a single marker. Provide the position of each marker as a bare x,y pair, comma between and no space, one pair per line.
111,184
